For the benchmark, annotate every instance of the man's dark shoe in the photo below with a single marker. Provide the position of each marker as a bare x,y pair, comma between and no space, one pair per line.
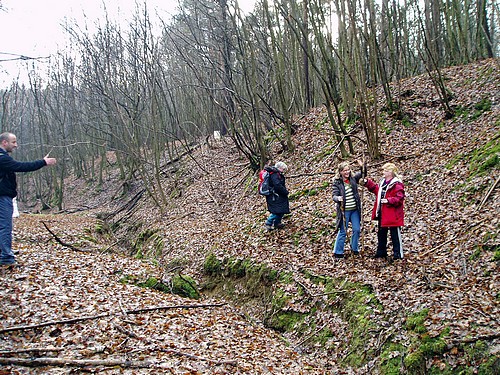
376,256
10,266
355,253
280,225
338,256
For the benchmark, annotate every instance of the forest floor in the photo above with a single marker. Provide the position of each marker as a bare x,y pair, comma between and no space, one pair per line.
75,305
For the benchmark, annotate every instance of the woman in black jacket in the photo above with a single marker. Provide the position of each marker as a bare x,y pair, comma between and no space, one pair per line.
345,194
277,202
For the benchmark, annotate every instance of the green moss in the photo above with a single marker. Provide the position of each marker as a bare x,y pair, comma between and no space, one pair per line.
415,362
423,346
486,158
476,254
391,359
433,346
181,285
284,321
480,107
212,266
496,257
455,160
309,192
102,227
323,336
416,321
490,367
148,244
185,286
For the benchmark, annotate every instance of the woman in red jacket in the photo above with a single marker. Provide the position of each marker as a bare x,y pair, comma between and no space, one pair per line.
388,210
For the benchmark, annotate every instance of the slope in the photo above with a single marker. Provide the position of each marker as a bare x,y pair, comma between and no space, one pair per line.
446,288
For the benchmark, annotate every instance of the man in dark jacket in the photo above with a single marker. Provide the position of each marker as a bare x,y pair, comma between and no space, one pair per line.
8,191
277,202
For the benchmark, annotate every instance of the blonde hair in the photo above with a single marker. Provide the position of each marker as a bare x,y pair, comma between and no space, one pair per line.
341,167
392,168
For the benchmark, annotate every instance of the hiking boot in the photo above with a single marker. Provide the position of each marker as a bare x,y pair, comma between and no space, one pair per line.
280,225
338,256
268,227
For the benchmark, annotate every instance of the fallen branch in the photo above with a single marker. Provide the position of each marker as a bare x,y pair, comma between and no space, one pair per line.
469,340
178,218
61,242
470,226
488,193
30,350
148,309
53,322
75,320
63,362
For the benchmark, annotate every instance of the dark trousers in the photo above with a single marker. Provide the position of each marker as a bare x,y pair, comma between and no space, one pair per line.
397,243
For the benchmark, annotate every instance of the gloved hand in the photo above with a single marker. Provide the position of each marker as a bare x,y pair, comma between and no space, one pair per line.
384,201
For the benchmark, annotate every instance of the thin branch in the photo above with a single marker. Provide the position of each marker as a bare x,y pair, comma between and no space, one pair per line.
30,350
138,311
64,362
488,193
61,242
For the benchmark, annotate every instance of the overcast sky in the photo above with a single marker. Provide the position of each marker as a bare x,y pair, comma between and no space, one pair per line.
33,27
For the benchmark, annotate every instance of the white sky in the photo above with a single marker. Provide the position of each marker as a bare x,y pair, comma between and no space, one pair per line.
33,27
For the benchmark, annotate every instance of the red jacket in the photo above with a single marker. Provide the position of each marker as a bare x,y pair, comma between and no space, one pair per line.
392,213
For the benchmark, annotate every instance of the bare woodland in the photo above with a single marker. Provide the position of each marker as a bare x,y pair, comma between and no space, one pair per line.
148,97
130,114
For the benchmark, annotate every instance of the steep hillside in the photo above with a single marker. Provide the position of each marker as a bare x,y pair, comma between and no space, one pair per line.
438,309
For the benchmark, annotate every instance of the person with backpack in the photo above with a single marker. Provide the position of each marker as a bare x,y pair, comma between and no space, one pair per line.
345,194
388,210
277,195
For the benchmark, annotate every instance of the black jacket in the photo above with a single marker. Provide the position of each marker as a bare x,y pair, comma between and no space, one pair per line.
339,190
8,169
277,203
